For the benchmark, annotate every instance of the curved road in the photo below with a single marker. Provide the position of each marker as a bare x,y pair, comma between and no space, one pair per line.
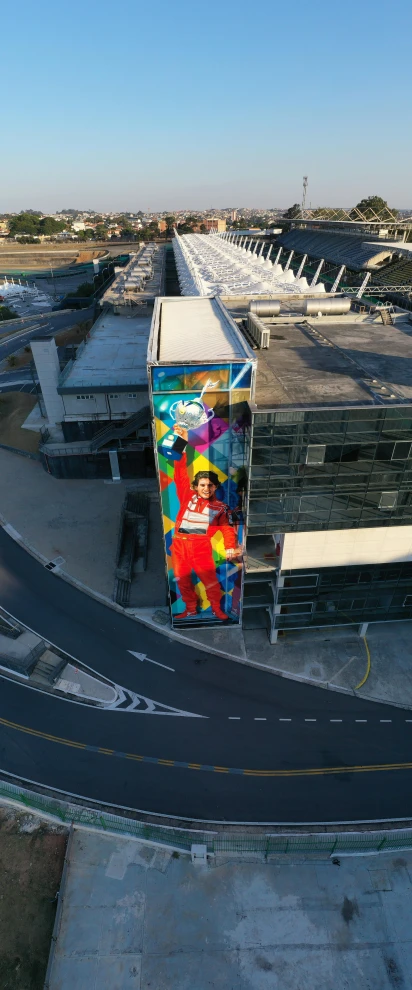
47,324
308,749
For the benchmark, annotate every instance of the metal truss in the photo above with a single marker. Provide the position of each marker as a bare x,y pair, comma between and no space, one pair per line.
353,216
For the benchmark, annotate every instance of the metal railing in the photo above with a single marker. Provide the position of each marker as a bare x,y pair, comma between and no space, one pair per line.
263,843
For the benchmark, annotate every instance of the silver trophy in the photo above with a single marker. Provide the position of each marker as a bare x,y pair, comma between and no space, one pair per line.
189,414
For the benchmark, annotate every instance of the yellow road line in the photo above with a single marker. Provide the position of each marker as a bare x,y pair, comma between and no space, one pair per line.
298,772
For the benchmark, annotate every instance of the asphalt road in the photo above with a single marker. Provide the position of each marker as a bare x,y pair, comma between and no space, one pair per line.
47,325
252,721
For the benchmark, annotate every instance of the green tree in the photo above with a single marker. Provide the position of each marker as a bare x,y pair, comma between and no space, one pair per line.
24,223
33,225
292,212
48,225
374,206
7,313
100,231
85,289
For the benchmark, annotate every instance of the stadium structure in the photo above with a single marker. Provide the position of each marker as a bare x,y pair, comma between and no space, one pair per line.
373,250
227,265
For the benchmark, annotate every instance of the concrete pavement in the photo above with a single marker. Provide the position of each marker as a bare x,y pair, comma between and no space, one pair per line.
135,917
79,521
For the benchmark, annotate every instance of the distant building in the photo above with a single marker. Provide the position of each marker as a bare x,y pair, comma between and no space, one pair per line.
214,223
233,215
162,225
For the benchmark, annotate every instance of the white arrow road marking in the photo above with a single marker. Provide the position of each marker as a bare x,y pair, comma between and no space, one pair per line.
142,656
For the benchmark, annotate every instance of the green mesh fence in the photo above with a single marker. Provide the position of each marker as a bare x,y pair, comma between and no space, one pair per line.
263,845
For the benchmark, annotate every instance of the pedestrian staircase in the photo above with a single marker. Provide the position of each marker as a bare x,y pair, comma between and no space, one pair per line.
117,430
132,543
48,668
386,317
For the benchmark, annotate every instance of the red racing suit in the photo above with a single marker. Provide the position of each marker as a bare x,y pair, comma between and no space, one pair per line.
197,521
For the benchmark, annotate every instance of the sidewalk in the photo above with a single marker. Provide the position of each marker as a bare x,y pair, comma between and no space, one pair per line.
78,521
136,917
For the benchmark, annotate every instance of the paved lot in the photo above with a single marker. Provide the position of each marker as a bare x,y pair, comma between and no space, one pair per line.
134,917
79,521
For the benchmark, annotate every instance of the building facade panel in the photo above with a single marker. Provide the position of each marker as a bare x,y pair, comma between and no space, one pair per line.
331,469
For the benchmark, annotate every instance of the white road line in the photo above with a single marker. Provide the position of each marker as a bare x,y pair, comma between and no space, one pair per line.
385,720
335,720
408,720
234,718
310,719
260,720
361,720
285,720
142,656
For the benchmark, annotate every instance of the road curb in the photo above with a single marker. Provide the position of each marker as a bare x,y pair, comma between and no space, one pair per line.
186,640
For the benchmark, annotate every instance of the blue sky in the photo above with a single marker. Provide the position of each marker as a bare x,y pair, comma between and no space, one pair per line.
164,105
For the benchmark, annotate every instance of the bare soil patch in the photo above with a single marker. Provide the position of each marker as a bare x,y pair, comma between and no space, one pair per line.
74,335
31,863
14,410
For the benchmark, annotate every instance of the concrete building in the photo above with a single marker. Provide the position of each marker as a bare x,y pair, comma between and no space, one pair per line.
328,514
214,223
97,417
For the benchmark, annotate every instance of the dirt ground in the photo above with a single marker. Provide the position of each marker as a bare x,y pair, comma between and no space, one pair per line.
73,336
31,863
14,409
28,257
16,406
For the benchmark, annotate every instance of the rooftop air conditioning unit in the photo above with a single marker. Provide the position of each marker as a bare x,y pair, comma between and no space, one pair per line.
258,330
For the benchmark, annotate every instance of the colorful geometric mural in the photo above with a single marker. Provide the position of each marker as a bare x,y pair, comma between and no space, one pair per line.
202,440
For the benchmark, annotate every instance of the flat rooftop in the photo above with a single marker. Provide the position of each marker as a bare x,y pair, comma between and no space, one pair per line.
319,363
196,329
114,356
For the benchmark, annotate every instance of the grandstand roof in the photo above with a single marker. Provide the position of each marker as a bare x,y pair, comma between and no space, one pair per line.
340,248
213,264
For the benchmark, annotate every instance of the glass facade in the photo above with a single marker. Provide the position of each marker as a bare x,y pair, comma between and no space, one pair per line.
331,469
343,595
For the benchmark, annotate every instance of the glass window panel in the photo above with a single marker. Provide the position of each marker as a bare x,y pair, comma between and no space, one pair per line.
384,451
402,450
301,581
293,608
315,453
388,500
